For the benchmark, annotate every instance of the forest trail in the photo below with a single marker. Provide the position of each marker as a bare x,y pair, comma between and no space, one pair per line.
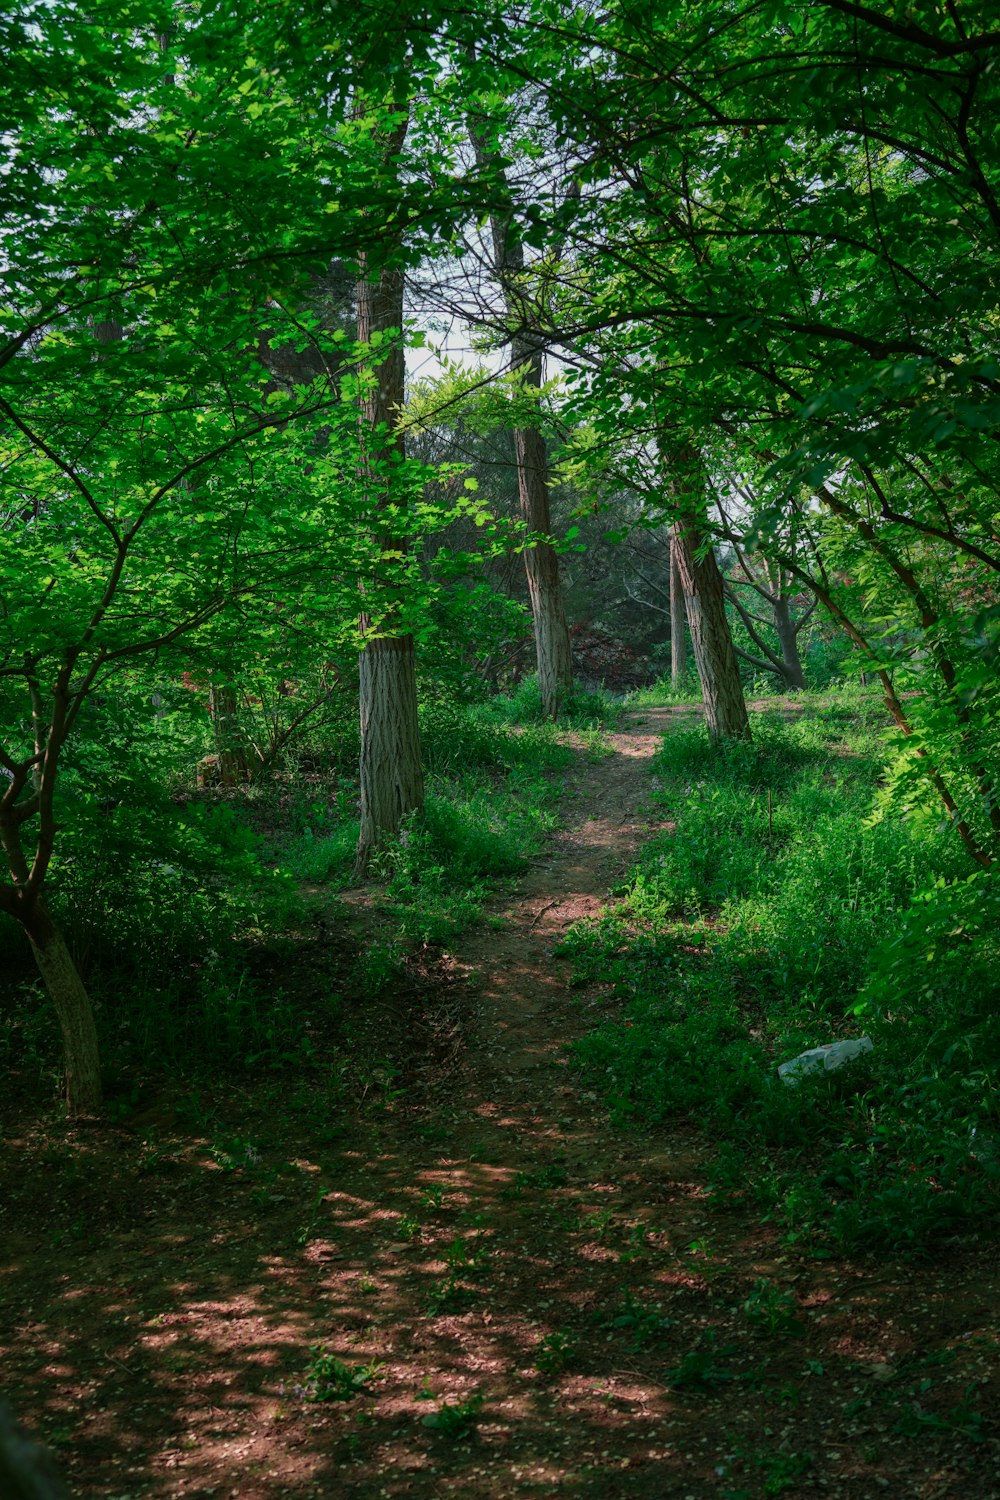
537,1228
477,1286
574,1279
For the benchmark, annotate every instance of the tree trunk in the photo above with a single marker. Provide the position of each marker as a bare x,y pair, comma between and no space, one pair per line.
678,640
791,661
711,639
234,764
552,644
72,1003
392,783
553,651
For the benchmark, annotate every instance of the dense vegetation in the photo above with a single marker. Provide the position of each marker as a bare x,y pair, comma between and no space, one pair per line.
395,401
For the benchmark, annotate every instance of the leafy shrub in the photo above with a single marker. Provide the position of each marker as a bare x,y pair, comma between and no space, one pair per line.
781,914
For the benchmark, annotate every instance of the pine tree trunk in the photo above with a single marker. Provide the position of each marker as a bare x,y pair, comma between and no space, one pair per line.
552,644
791,661
392,783
678,640
711,639
72,1004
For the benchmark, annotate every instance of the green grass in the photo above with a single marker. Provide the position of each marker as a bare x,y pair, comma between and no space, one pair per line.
662,693
581,709
489,807
178,911
778,914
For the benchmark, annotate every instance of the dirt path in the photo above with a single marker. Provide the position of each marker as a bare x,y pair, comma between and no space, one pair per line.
547,1306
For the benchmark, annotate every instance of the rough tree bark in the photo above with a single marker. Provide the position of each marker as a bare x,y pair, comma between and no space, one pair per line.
678,640
711,638
770,580
786,662
392,783
553,650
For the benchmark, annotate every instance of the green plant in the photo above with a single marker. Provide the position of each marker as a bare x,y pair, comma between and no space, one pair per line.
960,1420
644,1322
448,1295
773,1470
235,1155
554,1352
595,743
701,1369
461,1256
308,1230
782,911
771,1309
328,1378
598,1222
455,1419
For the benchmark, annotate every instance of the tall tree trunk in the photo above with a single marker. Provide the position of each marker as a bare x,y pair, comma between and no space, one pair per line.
392,783
788,640
711,639
678,640
72,1004
553,650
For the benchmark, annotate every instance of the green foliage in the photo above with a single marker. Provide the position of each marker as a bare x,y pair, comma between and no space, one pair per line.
703,1368
771,1309
161,900
487,812
488,808
555,1352
780,915
456,1419
448,1295
662,693
330,1379
581,709
643,1323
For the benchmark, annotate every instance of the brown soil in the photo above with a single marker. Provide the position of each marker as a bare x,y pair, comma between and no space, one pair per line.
477,1229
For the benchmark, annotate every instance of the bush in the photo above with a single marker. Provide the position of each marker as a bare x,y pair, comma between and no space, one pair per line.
158,899
778,915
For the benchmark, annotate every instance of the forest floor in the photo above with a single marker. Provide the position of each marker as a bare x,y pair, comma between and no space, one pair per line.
471,1284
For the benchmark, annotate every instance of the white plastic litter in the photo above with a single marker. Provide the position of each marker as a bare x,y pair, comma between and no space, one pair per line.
822,1059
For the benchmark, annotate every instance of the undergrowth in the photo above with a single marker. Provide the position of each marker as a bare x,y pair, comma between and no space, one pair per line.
778,913
186,911
581,709
489,805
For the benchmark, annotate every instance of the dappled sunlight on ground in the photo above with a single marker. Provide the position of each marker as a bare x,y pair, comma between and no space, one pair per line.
174,1297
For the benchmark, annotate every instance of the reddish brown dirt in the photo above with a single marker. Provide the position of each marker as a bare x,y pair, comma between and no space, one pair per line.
484,1234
